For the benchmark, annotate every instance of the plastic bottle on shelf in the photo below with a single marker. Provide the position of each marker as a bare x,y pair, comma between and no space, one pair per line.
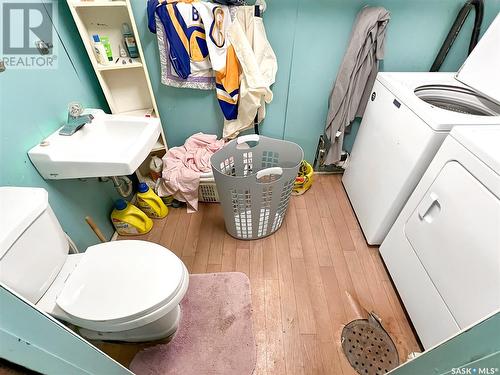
123,53
128,220
155,167
129,41
107,47
150,203
99,50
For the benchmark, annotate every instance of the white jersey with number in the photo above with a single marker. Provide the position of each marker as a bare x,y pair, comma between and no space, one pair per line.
216,19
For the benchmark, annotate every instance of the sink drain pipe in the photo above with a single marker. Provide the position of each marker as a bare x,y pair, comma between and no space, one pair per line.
123,185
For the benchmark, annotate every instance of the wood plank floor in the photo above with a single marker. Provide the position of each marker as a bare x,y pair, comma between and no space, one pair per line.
299,277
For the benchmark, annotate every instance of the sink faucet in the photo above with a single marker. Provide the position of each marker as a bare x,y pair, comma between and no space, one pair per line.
75,119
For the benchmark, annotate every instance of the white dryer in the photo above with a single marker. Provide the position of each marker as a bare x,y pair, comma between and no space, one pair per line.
443,252
406,121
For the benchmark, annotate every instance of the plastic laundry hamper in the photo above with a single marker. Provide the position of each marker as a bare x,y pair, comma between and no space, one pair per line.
254,176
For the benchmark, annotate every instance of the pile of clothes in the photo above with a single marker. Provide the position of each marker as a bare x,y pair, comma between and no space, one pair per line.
183,166
217,47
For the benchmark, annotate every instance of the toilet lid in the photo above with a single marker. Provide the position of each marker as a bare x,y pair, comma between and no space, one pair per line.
121,280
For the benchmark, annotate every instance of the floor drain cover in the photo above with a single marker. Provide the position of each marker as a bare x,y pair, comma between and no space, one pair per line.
368,347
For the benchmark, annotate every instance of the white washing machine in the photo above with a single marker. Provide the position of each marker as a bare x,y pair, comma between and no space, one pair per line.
443,251
405,122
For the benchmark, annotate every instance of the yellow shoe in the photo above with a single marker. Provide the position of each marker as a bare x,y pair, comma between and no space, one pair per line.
304,178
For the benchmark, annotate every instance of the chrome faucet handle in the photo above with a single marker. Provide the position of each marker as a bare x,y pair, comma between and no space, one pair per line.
75,109
76,120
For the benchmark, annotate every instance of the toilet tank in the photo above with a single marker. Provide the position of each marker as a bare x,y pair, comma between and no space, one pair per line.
33,246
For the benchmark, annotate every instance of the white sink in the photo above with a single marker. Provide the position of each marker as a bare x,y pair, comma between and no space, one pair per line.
111,145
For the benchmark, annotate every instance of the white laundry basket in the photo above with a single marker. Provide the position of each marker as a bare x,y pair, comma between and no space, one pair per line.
207,191
255,176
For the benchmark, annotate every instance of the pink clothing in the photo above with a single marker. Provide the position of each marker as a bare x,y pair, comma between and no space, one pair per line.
182,167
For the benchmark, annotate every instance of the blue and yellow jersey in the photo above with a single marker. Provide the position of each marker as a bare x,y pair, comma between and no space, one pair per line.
217,21
227,84
186,23
185,33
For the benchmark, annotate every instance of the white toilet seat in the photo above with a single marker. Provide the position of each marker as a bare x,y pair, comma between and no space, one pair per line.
109,291
125,325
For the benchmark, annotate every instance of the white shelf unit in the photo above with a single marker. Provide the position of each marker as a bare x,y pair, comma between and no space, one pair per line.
82,4
127,87
136,63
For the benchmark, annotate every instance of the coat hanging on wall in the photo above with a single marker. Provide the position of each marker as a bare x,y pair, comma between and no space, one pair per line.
259,67
356,76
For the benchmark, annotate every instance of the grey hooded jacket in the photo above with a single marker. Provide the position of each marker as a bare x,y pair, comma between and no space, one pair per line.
356,76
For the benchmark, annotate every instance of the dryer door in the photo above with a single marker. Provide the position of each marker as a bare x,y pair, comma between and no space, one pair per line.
455,233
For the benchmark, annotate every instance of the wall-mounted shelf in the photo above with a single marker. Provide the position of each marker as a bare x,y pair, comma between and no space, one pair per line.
119,65
158,147
141,112
127,87
91,3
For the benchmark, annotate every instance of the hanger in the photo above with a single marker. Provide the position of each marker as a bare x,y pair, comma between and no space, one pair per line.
260,7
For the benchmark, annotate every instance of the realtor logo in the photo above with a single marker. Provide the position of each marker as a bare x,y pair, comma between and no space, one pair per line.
28,36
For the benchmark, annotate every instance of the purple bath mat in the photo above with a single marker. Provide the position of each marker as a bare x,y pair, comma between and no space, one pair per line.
215,333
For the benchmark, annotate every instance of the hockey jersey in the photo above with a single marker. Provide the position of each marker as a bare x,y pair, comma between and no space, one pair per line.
227,85
197,38
201,80
188,50
217,21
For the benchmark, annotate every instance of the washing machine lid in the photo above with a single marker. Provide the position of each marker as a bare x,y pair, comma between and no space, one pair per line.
20,206
480,71
483,141
121,280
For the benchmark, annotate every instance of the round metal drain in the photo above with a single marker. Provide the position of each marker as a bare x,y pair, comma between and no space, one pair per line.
368,347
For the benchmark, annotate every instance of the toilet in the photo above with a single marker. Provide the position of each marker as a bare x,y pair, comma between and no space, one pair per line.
118,291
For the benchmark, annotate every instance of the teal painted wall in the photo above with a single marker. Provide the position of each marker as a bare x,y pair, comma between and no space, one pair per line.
309,39
33,104
475,348
38,342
